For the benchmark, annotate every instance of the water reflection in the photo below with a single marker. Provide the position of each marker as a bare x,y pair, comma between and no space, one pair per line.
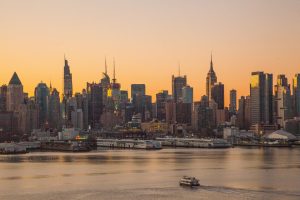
258,173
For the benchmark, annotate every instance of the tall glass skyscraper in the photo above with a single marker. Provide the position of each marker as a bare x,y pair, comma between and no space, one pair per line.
68,85
41,98
261,96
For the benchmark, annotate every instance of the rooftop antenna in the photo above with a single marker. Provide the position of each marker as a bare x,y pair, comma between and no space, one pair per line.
114,73
211,61
105,66
178,68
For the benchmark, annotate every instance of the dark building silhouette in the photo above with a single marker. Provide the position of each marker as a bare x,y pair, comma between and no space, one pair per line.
177,84
68,85
217,94
95,106
54,112
161,99
41,98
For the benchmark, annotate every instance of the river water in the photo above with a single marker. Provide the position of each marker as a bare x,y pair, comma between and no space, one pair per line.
235,173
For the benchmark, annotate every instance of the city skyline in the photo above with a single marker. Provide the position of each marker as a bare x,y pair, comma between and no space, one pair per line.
31,91
148,43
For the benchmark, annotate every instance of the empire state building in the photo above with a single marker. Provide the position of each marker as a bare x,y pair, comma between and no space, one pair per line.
211,80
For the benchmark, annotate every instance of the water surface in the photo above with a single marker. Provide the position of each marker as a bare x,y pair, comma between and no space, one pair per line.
237,173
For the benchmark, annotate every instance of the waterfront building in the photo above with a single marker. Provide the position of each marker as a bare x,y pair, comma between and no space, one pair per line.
41,94
261,96
15,95
155,126
211,79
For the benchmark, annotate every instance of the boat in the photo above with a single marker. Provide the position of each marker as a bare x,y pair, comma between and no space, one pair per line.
189,181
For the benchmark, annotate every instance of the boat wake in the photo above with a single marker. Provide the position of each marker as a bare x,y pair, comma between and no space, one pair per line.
224,189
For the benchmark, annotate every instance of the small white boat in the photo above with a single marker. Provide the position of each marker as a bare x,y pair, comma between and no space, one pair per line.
189,181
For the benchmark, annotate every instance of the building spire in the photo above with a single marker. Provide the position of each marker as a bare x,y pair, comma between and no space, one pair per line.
211,62
105,66
178,68
50,87
114,73
65,59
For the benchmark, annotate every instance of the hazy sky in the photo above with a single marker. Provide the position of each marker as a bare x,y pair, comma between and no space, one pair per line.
148,38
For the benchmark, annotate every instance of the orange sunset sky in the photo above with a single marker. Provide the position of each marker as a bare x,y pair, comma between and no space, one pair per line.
148,38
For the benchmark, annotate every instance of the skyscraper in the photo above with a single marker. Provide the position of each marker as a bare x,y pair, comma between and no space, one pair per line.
114,93
261,96
211,79
217,94
105,83
138,89
41,98
15,96
177,84
161,99
54,115
138,92
296,94
95,105
232,104
187,94
68,85
3,96
243,113
205,117
283,103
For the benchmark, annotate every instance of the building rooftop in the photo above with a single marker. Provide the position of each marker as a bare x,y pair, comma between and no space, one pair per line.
15,80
